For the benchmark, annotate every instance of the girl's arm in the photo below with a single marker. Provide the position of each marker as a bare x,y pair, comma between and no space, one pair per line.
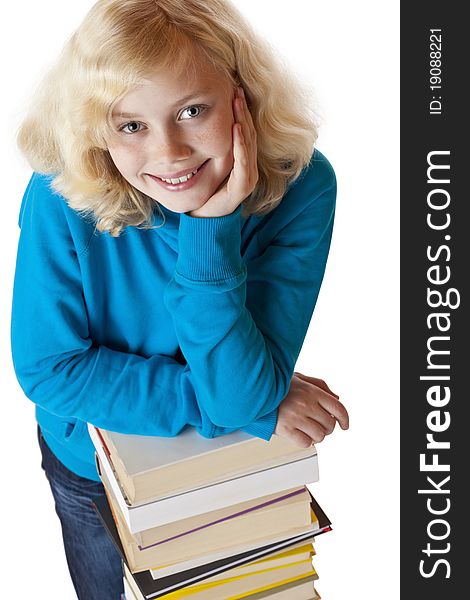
241,330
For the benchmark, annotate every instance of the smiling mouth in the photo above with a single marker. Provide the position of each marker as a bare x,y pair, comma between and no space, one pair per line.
183,178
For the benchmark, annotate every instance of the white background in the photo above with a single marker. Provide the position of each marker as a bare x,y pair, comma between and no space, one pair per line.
348,51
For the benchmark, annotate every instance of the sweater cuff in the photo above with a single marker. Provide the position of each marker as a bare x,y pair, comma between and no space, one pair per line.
209,251
263,427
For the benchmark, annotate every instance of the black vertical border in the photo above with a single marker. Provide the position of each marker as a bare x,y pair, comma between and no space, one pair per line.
421,133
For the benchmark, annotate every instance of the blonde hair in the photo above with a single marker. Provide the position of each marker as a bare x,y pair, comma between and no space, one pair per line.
118,44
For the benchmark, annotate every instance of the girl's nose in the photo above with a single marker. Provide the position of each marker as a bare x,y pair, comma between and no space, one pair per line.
169,147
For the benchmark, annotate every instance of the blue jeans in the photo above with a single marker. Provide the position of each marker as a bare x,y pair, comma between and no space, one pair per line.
93,561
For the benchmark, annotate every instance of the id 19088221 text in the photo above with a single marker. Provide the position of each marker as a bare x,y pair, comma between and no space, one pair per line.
435,71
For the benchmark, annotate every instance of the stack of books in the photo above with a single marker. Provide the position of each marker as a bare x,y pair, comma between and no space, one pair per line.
203,519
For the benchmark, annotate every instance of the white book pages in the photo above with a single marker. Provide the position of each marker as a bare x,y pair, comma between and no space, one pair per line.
145,453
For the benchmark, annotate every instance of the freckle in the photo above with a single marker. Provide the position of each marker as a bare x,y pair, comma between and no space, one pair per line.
201,137
206,136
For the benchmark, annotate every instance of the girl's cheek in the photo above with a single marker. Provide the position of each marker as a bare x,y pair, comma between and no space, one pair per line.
221,127
224,135
217,138
121,159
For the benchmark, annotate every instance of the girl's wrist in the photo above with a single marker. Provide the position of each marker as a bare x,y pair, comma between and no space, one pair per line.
208,213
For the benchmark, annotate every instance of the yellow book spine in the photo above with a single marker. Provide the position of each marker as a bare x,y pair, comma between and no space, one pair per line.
206,586
287,554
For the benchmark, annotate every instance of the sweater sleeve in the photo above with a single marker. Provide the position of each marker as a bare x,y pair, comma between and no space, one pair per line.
240,330
56,362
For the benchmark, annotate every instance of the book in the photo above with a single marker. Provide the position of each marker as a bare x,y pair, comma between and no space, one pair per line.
300,553
211,497
191,572
255,522
233,586
151,468
229,559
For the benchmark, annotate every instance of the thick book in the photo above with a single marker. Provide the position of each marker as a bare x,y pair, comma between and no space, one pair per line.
211,497
280,556
192,572
151,468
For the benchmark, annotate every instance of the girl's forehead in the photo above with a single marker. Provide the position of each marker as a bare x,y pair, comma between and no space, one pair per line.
172,89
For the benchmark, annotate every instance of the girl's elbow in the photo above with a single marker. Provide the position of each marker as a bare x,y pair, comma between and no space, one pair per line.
27,381
38,379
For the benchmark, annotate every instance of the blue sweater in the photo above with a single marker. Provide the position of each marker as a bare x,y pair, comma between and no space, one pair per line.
199,322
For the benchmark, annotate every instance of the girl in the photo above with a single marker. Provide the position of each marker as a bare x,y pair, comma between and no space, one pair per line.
173,242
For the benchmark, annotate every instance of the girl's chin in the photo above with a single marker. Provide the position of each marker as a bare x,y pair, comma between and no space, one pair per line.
181,205
182,202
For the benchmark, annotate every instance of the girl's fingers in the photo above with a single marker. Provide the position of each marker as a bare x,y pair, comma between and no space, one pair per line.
297,437
240,150
328,400
241,112
325,420
244,175
247,115
241,120
245,119
243,116
336,410
318,382
243,178
313,429
239,180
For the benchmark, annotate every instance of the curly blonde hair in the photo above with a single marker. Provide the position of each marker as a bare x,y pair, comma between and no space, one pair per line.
118,44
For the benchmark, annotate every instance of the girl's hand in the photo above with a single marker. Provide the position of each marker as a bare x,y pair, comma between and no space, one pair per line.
309,411
244,175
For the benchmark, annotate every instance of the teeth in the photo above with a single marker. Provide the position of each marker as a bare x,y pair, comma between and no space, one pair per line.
180,179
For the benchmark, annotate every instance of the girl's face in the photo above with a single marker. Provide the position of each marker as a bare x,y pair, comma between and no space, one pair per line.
176,127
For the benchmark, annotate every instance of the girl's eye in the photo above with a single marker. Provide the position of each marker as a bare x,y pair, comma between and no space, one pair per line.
192,111
132,127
